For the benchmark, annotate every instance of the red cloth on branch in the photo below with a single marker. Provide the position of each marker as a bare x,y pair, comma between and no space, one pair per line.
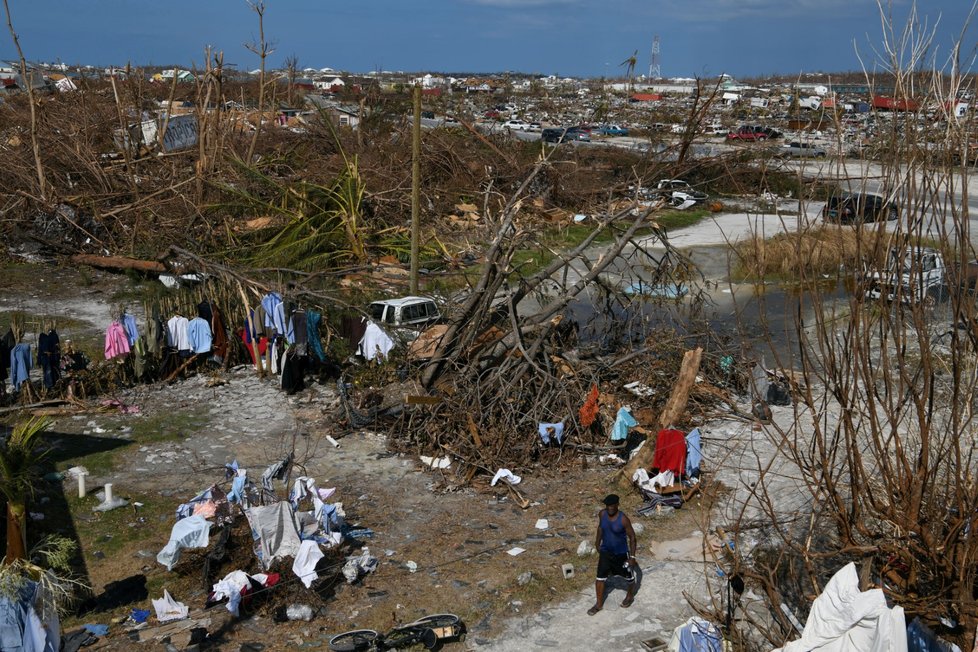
670,451
589,411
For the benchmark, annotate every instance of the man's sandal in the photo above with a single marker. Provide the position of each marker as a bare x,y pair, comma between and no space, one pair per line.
593,610
627,602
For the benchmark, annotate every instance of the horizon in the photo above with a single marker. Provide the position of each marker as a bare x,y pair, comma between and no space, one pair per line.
566,38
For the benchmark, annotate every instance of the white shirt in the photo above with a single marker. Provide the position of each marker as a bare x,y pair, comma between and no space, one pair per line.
176,333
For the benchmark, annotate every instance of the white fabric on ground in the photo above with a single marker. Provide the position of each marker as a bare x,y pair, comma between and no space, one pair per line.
230,587
305,562
190,532
845,619
277,531
507,475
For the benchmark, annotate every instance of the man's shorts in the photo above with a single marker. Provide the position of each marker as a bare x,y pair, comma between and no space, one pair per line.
610,564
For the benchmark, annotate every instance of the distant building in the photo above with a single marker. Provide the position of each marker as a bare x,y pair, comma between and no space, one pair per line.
183,76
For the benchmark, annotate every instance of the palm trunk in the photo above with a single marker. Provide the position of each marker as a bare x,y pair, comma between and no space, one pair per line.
16,532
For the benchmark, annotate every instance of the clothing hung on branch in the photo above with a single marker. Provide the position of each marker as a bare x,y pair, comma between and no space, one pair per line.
20,365
116,342
49,356
177,336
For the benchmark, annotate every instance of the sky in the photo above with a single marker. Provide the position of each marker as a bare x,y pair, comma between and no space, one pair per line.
589,38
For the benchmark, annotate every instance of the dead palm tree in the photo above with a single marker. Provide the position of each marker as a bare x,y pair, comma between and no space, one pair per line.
19,461
630,70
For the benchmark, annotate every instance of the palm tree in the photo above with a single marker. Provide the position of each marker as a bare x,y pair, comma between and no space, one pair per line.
19,460
630,62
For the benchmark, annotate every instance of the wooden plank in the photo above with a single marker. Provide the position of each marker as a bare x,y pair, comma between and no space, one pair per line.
118,262
423,400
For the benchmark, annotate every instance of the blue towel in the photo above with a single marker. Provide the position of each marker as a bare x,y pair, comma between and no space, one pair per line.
623,422
139,615
97,630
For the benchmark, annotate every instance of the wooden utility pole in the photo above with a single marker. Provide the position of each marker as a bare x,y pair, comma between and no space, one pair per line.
415,189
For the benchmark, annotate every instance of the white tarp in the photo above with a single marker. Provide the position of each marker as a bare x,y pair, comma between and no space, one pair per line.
845,619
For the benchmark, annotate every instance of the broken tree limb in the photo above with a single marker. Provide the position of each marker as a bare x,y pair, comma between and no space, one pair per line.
118,263
670,413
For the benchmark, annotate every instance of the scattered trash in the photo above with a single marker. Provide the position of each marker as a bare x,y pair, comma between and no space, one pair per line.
512,552
437,462
586,548
298,612
359,565
141,615
168,609
97,630
610,458
640,389
332,441
567,570
412,566
542,524
506,475
524,578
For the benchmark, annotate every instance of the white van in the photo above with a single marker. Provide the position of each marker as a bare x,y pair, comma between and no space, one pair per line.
411,312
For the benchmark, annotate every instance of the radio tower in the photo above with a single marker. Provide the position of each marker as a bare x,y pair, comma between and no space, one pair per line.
655,71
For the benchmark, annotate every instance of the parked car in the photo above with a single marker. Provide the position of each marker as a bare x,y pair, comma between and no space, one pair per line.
577,133
679,191
802,150
516,125
535,126
753,133
406,312
563,134
856,208
612,130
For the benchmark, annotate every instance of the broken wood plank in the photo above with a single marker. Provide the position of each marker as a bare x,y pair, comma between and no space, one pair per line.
118,263
30,406
423,400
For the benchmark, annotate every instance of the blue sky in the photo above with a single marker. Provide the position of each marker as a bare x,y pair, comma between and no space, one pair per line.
564,37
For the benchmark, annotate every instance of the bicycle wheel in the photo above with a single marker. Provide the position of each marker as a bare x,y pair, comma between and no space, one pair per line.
359,640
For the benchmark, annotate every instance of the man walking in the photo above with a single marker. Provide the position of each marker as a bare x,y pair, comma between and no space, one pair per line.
615,542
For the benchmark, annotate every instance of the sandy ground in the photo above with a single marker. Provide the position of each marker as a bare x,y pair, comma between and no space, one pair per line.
184,433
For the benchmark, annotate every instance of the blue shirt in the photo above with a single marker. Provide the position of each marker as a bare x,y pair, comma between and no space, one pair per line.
613,537
20,364
199,334
129,324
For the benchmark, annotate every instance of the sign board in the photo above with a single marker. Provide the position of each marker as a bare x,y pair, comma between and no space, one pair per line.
181,133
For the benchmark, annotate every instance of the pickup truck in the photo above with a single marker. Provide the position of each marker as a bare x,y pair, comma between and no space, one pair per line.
919,275
753,133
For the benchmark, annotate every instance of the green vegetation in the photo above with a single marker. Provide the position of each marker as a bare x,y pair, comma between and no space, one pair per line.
174,426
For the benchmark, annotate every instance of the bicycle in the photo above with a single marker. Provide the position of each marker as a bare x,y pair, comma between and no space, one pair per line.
430,632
